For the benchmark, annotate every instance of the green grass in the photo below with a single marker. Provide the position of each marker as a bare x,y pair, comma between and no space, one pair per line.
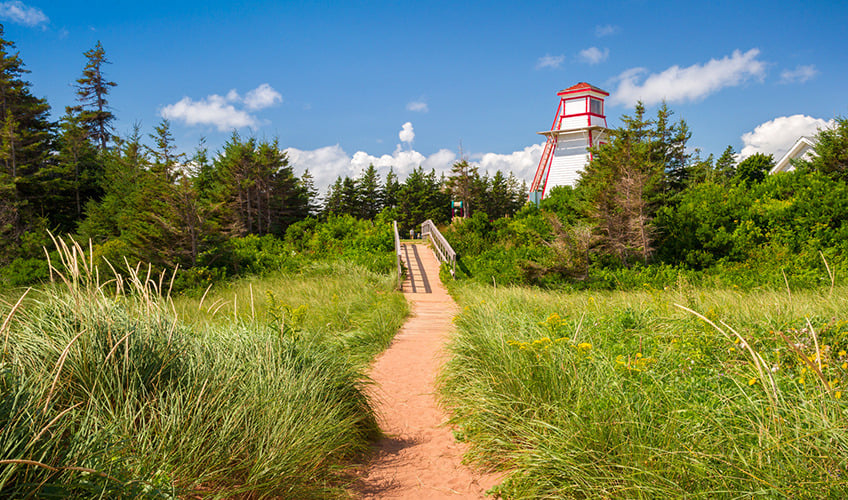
130,394
627,395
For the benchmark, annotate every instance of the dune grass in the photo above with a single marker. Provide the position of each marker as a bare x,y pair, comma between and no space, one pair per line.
653,394
106,391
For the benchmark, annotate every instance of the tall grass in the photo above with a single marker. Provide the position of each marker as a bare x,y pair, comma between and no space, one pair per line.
105,392
628,395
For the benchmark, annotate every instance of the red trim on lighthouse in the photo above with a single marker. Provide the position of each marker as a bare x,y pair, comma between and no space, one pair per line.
582,87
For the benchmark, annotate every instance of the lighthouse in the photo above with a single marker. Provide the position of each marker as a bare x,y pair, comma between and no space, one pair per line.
579,124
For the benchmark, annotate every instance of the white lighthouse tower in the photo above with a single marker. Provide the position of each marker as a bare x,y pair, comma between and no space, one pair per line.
580,123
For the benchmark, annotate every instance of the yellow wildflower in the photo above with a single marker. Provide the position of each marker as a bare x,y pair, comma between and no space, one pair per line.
838,394
752,381
584,346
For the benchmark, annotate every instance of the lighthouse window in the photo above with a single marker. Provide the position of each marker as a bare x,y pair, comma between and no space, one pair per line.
596,107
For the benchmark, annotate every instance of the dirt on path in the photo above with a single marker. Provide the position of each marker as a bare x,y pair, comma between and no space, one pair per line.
419,458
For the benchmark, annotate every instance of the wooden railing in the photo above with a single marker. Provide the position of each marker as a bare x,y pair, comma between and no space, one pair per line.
441,246
398,257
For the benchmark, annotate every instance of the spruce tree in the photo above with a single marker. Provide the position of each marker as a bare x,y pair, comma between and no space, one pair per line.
307,186
390,189
726,165
369,193
92,93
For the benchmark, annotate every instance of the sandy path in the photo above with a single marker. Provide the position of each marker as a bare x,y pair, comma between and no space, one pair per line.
419,458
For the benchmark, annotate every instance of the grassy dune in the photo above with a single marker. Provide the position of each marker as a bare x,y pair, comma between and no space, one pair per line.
628,395
112,390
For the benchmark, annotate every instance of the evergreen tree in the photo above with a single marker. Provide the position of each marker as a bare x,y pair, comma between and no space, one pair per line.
369,193
25,146
421,197
333,200
499,200
92,92
256,188
726,165
166,159
623,182
390,189
307,187
668,148
74,176
349,198
465,184
754,168
831,150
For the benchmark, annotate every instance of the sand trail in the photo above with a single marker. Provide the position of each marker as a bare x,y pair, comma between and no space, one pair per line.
419,458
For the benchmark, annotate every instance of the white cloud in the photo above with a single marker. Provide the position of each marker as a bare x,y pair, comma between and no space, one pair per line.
798,75
406,133
213,110
605,30
20,13
328,163
262,97
594,55
775,137
549,61
325,164
420,106
677,84
522,163
223,112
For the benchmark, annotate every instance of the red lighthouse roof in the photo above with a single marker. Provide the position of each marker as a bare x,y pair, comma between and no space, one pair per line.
582,87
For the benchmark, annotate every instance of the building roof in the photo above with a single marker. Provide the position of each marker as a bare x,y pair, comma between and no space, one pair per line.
802,146
582,86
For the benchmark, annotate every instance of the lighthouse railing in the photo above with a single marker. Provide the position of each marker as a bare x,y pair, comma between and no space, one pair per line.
441,246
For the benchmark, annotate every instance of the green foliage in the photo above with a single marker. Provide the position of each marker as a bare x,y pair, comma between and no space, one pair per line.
754,168
283,318
831,151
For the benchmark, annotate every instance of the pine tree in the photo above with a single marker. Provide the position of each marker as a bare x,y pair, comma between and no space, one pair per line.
92,92
349,198
464,184
333,199
369,193
307,187
165,157
622,183
74,176
390,189
726,165
831,150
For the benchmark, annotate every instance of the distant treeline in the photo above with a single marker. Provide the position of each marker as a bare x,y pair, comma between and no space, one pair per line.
139,199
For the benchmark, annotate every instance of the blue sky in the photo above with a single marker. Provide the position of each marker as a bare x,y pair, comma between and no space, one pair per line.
344,84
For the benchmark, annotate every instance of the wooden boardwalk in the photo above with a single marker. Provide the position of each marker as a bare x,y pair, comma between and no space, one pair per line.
419,457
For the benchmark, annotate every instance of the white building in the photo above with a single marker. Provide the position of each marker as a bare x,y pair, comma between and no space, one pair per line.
579,123
803,148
